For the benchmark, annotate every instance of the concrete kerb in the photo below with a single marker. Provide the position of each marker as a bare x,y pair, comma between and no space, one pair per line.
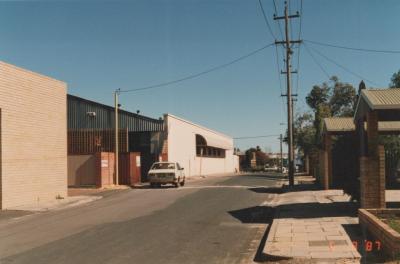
57,204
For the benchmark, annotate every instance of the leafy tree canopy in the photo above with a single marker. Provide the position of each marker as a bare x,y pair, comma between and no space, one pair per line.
395,80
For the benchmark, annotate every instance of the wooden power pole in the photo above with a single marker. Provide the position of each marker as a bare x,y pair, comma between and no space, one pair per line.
116,131
287,44
281,161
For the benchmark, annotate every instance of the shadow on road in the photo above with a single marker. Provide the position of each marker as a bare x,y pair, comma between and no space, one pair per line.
316,210
265,176
271,190
154,188
254,215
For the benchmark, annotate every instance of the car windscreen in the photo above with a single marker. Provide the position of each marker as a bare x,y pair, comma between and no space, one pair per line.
163,166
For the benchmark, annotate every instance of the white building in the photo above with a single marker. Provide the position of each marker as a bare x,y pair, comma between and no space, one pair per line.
199,150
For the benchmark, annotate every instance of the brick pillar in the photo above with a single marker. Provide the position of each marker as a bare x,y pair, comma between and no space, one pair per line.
307,164
372,180
323,169
372,133
326,160
372,168
253,161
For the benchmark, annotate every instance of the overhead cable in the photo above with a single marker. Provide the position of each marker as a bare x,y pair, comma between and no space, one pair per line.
343,67
351,48
195,75
316,61
256,137
266,20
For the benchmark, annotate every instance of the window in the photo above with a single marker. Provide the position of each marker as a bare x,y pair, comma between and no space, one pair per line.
202,150
210,152
163,166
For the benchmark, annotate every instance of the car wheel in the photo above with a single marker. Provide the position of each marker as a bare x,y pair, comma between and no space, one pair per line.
182,182
152,185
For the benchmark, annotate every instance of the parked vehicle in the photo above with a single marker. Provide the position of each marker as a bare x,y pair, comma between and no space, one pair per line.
284,170
267,168
162,173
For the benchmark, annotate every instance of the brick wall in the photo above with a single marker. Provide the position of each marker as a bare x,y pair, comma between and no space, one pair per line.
372,180
34,137
106,167
388,238
129,168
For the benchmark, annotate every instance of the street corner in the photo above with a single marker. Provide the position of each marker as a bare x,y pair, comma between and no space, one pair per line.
54,205
7,215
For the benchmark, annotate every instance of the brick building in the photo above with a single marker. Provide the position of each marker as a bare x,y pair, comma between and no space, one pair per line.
32,108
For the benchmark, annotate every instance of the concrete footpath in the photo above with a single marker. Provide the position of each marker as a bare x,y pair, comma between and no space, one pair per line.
310,225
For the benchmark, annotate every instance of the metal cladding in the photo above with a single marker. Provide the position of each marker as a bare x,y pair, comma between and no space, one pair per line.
86,114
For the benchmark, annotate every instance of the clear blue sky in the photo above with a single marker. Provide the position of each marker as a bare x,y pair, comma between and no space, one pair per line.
97,47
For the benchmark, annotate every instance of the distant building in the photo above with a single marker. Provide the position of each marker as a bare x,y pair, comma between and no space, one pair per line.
200,150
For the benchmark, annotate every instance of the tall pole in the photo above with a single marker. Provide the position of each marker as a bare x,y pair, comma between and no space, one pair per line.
281,161
287,44
289,98
293,147
116,149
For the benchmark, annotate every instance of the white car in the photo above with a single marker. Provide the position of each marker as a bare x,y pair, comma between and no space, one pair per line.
267,168
166,172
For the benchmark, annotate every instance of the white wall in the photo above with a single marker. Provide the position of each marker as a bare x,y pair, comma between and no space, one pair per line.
33,137
182,148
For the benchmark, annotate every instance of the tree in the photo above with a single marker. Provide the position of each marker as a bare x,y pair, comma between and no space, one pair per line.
304,133
319,95
342,99
333,98
261,157
395,80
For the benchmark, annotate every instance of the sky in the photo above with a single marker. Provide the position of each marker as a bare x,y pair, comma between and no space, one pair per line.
99,46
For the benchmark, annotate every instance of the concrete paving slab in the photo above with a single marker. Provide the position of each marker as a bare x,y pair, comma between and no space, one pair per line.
312,237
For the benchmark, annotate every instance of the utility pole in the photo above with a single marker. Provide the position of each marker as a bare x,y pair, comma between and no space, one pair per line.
287,44
281,161
116,149
294,156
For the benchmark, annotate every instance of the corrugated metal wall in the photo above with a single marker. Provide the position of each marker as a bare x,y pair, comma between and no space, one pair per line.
79,117
89,141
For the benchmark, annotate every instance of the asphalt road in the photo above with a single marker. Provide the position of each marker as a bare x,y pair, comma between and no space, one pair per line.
212,220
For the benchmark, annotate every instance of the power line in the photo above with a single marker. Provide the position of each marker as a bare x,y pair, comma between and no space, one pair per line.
195,75
266,19
279,24
298,52
343,67
249,137
276,48
273,35
316,61
352,48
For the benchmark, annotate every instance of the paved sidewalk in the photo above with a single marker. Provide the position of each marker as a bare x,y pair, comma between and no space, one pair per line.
309,225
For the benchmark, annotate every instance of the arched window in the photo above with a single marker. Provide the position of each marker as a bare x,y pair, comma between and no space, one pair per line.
202,150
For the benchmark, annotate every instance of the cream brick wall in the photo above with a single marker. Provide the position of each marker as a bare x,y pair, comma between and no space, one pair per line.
34,137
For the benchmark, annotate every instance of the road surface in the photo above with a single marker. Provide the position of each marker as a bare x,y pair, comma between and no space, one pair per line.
211,220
